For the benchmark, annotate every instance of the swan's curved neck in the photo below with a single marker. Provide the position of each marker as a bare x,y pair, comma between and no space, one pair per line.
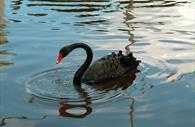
85,65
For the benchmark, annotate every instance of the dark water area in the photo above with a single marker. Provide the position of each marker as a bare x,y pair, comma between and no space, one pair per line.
35,92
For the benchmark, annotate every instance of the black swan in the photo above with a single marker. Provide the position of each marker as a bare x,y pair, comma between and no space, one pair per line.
106,68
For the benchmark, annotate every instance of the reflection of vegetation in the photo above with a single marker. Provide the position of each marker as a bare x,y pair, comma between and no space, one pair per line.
4,63
2,33
69,5
76,10
38,14
128,15
1,8
6,53
92,22
3,39
2,23
131,112
151,3
16,4
73,0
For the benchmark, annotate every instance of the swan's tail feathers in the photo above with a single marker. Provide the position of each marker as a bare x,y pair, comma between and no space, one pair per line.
137,62
129,60
130,54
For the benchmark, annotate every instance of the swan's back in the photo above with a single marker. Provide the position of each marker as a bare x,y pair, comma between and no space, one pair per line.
109,67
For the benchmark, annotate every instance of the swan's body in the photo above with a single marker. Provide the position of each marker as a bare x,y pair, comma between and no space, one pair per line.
106,68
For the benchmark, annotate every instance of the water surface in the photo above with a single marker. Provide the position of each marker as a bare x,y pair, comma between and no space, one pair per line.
160,33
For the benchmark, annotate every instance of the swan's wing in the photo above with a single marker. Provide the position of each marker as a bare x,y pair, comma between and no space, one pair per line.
108,67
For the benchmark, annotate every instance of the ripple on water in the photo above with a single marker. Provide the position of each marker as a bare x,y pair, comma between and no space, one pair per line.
153,72
56,84
154,67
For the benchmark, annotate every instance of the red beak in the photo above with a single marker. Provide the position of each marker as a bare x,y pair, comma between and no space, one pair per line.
59,59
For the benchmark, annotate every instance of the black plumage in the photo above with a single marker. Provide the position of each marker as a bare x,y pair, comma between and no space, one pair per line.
106,68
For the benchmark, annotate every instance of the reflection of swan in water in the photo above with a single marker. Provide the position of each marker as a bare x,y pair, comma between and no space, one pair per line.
97,92
64,106
120,83
84,107
123,82
106,68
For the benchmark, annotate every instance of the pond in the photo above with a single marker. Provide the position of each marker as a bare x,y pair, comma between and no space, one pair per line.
160,33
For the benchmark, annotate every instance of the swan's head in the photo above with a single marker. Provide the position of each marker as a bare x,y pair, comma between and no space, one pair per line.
62,53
